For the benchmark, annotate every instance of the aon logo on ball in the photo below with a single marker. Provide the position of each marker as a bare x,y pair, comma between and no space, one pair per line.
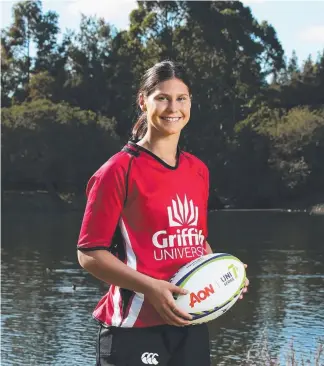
201,295
149,358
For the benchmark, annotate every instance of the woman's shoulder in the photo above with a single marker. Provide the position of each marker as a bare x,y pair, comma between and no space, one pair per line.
118,163
193,159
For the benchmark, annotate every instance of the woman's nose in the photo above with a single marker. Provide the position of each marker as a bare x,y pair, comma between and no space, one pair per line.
172,106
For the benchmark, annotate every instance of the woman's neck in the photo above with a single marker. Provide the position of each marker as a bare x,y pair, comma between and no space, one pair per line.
163,147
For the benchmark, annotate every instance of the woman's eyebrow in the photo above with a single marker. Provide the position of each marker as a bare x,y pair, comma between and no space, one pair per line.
169,95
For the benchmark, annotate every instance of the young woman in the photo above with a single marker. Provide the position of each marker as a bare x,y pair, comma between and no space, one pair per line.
156,196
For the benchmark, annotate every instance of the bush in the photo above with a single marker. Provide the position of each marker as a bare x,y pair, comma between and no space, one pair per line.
47,145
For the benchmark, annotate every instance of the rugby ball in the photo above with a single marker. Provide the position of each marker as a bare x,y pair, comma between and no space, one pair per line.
214,283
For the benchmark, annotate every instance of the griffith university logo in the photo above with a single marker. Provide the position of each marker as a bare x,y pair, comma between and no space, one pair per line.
183,213
186,241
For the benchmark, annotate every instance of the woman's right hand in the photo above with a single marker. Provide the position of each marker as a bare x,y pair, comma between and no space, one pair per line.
160,295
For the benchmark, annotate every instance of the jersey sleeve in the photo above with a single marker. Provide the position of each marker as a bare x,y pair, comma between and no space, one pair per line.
106,192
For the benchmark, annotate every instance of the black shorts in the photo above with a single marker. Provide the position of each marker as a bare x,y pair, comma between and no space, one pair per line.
164,345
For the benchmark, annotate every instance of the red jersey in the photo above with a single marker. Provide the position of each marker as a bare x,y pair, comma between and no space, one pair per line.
161,212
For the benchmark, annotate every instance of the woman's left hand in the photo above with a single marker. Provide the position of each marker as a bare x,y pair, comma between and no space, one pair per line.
245,289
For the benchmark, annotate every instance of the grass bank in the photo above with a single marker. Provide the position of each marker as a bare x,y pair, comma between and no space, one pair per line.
259,354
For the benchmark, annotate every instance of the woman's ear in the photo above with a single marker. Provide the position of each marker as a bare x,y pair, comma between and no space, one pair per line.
142,103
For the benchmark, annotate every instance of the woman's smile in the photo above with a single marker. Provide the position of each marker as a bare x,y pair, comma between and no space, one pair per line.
171,119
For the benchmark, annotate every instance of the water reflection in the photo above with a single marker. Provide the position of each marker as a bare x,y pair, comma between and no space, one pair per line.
47,299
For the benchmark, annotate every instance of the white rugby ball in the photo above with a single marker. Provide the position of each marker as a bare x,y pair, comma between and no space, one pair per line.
214,283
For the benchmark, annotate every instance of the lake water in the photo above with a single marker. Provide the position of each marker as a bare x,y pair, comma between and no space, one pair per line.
47,322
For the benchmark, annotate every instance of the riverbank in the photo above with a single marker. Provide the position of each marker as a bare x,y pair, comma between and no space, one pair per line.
42,201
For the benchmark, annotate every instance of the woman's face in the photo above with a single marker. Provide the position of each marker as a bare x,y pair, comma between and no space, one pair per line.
168,107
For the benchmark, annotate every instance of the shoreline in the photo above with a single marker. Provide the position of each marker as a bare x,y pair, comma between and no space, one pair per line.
42,201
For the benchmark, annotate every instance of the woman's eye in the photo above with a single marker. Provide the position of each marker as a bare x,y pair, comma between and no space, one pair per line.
180,99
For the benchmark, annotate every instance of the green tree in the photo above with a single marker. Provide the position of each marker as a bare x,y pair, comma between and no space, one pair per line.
17,41
30,29
88,67
298,140
53,146
293,68
319,80
46,32
293,143
41,86
298,86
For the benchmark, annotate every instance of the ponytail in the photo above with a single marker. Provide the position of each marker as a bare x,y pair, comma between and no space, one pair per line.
140,128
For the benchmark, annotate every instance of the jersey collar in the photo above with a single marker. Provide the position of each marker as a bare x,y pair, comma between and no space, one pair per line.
135,149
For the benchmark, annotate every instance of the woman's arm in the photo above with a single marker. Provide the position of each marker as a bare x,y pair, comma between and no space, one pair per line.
209,249
106,267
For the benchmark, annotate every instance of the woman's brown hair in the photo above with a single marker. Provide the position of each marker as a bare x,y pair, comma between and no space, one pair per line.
158,73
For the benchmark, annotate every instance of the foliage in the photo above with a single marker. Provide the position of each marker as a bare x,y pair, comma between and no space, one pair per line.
53,146
259,353
263,142
294,141
297,153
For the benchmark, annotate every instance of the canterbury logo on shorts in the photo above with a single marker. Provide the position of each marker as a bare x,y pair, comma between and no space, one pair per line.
150,358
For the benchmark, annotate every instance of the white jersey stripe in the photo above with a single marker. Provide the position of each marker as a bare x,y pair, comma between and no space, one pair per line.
138,299
134,311
116,318
130,255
